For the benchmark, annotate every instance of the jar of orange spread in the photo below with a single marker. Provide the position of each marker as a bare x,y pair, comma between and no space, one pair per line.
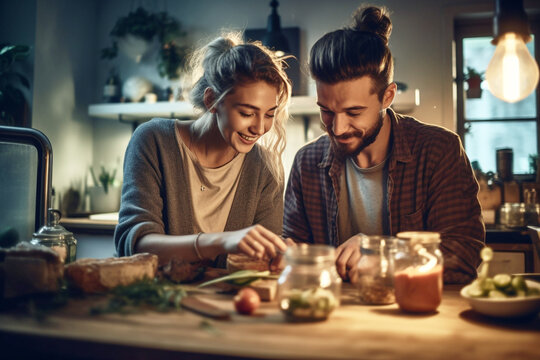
418,277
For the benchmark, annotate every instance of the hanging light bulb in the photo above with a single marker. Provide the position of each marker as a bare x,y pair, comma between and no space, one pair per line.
512,73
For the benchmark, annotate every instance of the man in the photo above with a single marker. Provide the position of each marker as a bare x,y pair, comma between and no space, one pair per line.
377,172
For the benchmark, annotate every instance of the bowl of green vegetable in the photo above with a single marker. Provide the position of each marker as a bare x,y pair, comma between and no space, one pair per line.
503,295
507,302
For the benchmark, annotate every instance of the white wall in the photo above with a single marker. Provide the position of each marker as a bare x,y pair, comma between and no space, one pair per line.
64,84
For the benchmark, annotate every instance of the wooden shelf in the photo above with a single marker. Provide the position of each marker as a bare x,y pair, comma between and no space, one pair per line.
140,112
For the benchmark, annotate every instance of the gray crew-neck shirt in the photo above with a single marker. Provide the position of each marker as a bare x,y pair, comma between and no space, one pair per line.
363,208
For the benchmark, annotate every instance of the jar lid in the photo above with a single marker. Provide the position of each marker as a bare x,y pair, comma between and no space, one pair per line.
422,237
310,254
377,241
53,231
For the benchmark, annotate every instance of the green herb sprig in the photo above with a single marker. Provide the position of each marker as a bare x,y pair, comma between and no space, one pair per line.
157,294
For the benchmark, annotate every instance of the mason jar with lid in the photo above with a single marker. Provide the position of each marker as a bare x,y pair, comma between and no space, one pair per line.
418,276
309,287
375,270
56,237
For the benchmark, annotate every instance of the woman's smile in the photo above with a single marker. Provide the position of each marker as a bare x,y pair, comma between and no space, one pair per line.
248,139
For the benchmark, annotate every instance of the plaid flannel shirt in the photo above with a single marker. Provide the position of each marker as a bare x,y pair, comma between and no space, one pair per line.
431,187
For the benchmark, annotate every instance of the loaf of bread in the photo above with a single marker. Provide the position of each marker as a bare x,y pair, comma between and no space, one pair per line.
236,262
100,275
27,269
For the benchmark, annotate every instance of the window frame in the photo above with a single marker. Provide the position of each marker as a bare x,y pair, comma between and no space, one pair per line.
483,27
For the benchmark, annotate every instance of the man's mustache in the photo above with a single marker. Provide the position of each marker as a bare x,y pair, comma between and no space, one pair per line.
358,134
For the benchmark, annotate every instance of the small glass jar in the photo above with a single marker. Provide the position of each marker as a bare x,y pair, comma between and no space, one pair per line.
512,215
57,238
309,287
532,209
418,276
375,270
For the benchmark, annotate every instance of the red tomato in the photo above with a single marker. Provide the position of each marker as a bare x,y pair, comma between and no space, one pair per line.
246,301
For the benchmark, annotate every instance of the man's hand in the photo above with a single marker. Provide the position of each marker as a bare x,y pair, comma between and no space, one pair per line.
347,257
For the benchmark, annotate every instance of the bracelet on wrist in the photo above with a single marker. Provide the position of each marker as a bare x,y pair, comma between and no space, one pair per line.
196,246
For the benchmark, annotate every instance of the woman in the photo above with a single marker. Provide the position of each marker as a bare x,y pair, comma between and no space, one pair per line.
194,190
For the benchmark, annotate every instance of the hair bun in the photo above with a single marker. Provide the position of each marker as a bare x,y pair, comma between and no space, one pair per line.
226,42
373,19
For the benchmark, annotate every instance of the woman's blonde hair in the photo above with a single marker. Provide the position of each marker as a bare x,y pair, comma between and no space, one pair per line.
229,61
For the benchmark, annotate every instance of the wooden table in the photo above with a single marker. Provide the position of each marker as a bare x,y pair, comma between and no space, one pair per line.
353,331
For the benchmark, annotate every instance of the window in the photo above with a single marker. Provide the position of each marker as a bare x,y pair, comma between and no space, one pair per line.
486,123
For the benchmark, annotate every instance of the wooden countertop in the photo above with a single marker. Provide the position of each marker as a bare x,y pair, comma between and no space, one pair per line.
353,331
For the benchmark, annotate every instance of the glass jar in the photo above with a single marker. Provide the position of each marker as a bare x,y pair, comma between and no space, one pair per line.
56,237
532,209
309,287
375,270
418,276
512,215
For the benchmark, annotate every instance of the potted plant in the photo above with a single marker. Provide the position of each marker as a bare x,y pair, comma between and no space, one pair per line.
474,80
105,194
135,32
14,110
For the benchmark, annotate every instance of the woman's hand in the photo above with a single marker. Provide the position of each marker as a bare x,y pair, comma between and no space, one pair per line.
347,257
277,263
255,241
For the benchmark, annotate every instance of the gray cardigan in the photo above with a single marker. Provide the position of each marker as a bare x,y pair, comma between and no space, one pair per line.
156,195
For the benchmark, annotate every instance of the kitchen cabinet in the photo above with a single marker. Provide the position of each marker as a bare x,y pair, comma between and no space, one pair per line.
514,250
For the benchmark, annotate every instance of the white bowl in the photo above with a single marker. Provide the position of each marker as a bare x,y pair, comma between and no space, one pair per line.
505,307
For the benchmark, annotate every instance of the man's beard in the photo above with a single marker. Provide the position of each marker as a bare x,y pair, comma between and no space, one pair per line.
366,139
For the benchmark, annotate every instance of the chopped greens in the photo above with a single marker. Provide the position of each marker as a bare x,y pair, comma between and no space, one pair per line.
500,285
310,304
160,295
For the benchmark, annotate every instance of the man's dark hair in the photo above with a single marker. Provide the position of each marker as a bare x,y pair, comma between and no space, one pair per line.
355,51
